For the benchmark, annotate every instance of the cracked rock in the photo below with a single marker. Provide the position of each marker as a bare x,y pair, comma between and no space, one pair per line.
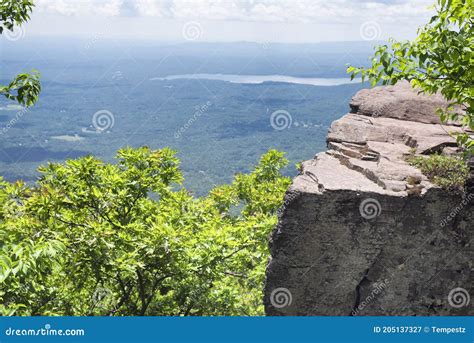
369,234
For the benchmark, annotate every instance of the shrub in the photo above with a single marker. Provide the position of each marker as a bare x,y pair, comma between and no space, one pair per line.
450,173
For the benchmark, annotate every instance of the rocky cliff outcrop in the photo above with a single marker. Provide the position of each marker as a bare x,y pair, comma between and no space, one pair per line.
362,232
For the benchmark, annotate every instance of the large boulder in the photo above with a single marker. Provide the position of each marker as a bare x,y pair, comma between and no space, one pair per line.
399,102
362,232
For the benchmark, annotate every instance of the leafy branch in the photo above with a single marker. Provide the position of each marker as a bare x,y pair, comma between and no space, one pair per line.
440,60
24,88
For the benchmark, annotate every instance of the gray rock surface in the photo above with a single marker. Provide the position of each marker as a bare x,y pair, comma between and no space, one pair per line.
364,233
399,102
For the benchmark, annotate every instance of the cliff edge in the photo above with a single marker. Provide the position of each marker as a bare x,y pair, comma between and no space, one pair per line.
362,232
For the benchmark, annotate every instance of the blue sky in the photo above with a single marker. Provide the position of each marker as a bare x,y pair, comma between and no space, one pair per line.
293,21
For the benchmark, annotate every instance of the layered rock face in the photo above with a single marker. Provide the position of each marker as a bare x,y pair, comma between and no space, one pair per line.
364,233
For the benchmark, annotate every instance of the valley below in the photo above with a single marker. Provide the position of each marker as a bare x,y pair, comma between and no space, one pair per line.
219,113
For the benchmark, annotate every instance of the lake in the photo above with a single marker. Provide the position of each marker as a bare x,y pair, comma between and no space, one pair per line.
258,79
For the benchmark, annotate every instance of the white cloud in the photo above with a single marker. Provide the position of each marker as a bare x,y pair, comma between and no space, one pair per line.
80,7
240,10
229,20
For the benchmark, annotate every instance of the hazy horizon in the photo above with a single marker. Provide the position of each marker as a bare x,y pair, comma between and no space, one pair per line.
98,57
301,21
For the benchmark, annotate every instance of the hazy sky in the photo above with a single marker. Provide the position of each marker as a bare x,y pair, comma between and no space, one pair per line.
229,20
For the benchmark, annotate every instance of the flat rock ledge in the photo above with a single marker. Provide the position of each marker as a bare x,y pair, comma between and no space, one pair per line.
364,233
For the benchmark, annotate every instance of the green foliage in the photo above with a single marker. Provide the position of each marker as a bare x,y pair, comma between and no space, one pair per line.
450,173
92,238
14,12
24,88
440,59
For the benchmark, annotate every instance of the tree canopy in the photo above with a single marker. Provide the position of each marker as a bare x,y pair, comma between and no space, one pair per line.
440,59
93,238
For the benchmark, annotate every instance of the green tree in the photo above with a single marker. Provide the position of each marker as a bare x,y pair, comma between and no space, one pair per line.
24,88
440,59
93,238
